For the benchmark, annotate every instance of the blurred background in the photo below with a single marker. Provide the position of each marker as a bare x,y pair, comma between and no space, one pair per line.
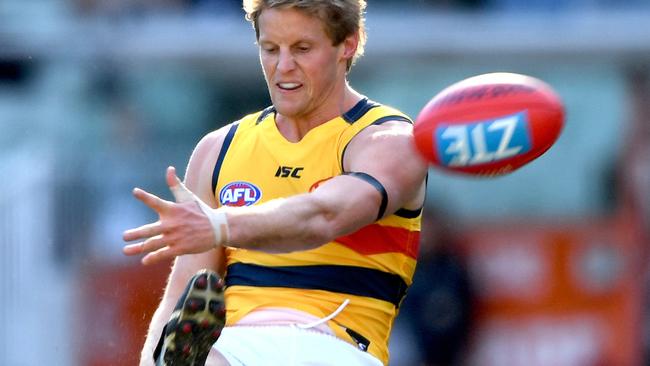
546,266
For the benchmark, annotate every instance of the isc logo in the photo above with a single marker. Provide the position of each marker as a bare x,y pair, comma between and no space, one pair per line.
239,194
288,171
483,142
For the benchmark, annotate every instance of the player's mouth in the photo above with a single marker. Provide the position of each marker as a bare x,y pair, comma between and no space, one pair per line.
288,86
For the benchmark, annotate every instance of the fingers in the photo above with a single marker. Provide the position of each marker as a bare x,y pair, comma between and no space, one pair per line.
154,243
154,202
178,189
132,249
149,245
143,232
159,255
171,177
155,248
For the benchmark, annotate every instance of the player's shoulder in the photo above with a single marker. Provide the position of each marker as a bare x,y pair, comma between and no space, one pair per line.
219,135
376,114
214,139
391,110
382,128
370,120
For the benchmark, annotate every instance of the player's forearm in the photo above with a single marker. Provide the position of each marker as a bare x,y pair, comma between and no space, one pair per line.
284,225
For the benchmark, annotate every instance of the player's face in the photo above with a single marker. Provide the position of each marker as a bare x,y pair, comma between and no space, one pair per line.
304,72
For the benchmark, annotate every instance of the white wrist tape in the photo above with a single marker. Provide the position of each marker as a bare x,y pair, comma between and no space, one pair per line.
217,218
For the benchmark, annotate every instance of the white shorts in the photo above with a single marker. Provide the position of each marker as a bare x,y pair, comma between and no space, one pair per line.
288,345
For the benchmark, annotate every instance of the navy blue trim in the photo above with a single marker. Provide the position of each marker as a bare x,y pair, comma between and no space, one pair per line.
362,107
222,154
392,118
378,186
265,112
408,214
351,280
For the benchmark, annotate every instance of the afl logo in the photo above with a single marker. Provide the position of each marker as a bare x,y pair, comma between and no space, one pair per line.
239,194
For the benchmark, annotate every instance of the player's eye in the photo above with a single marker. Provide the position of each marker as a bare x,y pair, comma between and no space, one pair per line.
268,48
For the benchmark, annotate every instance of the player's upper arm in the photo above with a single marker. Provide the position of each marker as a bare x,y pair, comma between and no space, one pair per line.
198,176
386,152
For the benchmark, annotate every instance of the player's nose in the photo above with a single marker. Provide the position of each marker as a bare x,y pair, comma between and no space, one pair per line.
286,61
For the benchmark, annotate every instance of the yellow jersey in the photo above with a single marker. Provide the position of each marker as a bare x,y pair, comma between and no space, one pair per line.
372,267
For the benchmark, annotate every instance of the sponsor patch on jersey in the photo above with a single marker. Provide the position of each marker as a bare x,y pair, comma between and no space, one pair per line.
239,194
315,185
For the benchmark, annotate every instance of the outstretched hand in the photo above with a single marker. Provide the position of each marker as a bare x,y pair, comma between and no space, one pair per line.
182,228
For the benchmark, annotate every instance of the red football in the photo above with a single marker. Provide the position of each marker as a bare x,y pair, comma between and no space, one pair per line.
490,124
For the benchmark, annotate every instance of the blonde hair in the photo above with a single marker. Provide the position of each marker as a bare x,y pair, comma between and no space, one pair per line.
342,18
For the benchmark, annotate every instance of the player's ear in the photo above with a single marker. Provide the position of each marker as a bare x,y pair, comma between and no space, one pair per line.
350,44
